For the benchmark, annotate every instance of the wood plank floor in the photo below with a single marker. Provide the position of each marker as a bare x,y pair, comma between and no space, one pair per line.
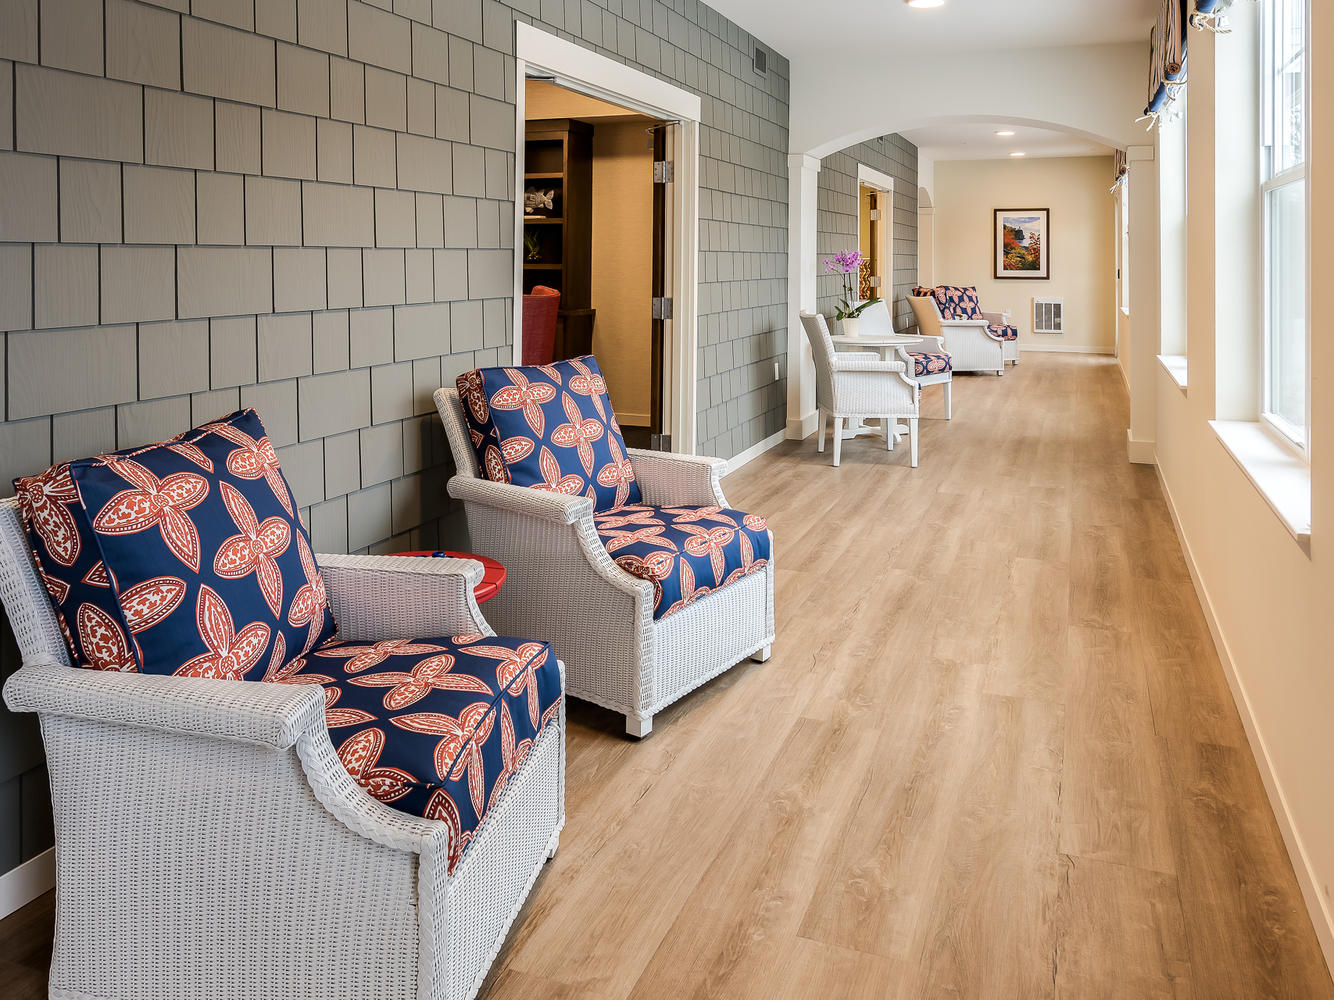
993,756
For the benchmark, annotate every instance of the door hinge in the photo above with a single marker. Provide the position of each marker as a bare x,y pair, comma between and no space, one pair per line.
662,307
660,442
875,215
664,171
875,281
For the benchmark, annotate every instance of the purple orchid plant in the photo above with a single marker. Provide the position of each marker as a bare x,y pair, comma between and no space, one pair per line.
848,263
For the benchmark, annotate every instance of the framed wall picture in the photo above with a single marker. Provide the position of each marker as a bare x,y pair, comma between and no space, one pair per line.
1023,243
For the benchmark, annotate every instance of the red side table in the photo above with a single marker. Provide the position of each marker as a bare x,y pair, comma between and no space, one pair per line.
493,573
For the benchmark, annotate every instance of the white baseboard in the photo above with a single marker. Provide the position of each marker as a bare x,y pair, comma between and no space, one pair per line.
800,429
1321,917
21,885
755,451
1141,452
1065,349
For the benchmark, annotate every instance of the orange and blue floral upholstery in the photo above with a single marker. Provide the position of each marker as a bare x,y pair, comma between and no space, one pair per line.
686,552
435,727
1003,331
922,292
549,427
957,302
925,363
185,557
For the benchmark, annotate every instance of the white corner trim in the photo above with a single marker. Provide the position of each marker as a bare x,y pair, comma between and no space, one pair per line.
755,451
800,428
20,886
1064,348
1140,452
1282,479
1175,366
804,160
569,62
1321,917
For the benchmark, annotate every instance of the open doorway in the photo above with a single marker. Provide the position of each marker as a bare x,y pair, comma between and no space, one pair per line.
594,241
875,210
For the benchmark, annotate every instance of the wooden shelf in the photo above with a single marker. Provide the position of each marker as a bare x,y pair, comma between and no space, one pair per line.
545,176
541,267
542,220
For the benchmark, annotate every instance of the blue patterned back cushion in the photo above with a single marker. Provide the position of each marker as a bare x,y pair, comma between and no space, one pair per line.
958,302
550,427
199,564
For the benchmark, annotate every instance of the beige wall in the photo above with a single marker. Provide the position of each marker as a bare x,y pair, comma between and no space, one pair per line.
623,264
1269,601
1083,269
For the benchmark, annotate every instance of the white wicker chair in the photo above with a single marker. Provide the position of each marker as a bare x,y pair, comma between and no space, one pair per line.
971,345
563,586
859,384
876,320
211,846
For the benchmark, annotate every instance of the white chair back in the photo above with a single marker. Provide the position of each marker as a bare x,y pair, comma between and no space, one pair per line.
27,604
450,407
822,348
876,320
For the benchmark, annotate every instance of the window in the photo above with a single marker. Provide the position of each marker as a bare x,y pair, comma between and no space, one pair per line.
1123,245
1283,130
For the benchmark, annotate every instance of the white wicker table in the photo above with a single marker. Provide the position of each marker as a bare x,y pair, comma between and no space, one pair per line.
886,344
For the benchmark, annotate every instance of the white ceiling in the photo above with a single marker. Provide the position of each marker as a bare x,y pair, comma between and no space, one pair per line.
978,141
882,28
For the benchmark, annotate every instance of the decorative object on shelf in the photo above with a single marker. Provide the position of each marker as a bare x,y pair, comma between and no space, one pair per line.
1021,238
532,247
848,263
538,199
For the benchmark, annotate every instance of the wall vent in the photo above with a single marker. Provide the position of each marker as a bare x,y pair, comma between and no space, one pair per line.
1047,316
761,61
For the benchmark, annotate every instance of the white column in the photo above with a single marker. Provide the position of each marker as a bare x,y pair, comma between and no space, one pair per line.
803,174
1142,181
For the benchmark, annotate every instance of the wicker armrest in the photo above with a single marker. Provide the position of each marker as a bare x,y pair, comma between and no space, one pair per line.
929,345
981,324
523,500
398,597
273,715
864,361
667,479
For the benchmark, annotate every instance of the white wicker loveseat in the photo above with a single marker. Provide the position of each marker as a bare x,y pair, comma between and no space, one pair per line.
980,344
211,845
565,587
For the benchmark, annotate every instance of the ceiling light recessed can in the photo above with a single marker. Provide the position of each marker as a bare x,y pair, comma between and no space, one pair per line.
1017,153
923,4
1005,131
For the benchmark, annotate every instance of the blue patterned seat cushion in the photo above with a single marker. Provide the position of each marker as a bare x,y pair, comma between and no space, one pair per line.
549,427
1005,332
435,727
686,552
930,364
957,302
185,557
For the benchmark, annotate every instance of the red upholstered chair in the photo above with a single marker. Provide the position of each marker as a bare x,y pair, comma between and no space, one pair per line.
539,325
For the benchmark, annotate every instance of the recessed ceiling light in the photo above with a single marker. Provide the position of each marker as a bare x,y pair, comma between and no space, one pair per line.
922,4
1017,153
1005,131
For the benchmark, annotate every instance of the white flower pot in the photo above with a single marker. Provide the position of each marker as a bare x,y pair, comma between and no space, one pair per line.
851,325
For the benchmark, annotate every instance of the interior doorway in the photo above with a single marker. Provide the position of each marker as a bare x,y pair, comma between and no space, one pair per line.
668,118
594,235
875,210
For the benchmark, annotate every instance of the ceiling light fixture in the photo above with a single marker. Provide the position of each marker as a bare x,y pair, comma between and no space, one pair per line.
924,4
1005,131
1017,152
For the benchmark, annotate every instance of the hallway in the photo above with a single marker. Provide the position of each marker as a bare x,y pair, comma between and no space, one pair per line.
993,756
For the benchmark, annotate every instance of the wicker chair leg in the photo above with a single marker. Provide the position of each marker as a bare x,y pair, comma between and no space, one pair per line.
838,439
553,846
912,434
820,424
639,727
949,400
761,655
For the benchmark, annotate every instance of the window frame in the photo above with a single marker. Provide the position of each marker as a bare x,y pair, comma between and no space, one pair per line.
1296,439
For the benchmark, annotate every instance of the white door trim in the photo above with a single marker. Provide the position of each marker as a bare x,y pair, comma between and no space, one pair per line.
576,68
872,178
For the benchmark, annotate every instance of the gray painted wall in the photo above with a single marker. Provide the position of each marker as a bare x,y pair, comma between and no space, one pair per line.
837,219
304,206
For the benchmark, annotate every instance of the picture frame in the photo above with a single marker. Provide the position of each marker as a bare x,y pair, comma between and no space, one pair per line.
1022,243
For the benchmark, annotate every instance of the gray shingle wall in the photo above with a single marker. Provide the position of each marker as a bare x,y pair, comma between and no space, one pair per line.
837,220
303,206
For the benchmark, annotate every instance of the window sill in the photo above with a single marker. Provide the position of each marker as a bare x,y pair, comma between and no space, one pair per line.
1283,479
1175,366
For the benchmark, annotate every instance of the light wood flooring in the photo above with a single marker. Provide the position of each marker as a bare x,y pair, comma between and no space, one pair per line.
993,755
